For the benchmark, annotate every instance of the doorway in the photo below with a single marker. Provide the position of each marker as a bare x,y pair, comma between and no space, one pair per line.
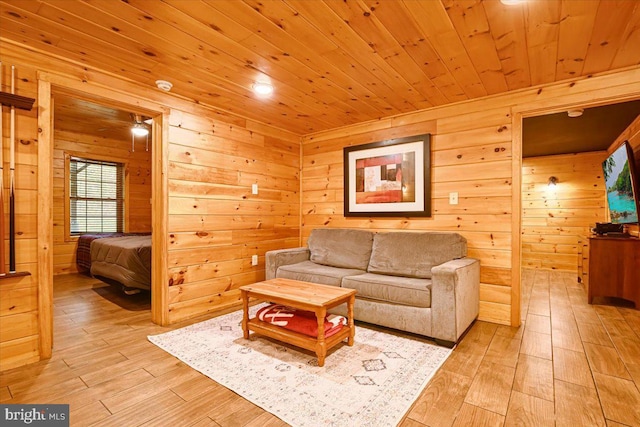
49,87
563,192
101,189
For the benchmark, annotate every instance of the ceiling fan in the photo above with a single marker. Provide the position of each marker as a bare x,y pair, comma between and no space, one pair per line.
139,125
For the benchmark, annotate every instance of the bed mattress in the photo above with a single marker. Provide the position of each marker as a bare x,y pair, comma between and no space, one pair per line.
125,259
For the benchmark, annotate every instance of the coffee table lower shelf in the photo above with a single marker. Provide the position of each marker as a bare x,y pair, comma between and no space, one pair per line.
300,340
305,296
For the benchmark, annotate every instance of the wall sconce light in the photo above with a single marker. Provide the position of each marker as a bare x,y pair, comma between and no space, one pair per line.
553,181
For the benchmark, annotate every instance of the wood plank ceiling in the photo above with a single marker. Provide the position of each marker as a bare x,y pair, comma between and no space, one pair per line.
86,117
333,62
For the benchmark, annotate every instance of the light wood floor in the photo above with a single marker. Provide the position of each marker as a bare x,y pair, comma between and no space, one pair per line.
569,364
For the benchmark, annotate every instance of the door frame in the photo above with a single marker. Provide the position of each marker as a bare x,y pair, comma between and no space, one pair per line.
48,85
585,100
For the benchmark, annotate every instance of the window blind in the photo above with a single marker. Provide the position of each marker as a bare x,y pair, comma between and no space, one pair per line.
96,196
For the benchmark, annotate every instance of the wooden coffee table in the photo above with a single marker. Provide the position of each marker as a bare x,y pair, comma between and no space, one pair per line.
303,296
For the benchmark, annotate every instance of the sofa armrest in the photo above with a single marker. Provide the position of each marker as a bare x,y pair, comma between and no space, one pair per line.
455,297
277,258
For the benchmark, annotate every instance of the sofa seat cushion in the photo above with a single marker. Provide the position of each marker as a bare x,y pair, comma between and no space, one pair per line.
413,254
340,247
309,271
398,290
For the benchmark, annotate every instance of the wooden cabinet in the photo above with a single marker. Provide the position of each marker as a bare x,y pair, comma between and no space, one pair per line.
583,260
614,268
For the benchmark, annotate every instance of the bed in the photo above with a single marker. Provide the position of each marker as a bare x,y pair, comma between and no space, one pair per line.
83,251
125,259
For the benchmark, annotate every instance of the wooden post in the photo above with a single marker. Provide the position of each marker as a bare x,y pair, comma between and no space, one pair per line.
12,167
3,267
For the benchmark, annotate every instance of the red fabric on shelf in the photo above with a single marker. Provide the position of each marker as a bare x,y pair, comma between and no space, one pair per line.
304,322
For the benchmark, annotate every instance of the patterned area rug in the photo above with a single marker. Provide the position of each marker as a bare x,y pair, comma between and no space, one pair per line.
373,383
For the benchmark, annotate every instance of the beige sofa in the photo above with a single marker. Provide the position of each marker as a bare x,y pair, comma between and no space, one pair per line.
419,282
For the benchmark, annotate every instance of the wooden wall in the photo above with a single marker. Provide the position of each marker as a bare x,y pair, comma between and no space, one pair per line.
475,152
556,222
19,295
555,219
631,134
100,147
472,157
216,223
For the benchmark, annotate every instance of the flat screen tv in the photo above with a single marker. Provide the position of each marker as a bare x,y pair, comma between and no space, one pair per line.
621,184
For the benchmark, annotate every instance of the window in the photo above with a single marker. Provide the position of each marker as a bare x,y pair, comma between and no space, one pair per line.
96,196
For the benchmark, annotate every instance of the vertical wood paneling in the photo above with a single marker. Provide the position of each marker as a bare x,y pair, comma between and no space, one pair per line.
45,219
100,147
556,219
159,214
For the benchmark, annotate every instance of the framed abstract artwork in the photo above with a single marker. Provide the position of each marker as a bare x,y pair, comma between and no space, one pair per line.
388,178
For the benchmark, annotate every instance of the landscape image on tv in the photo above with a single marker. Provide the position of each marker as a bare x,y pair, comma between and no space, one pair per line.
617,176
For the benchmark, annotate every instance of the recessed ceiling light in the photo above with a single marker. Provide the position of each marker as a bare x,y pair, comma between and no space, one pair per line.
511,2
576,112
262,88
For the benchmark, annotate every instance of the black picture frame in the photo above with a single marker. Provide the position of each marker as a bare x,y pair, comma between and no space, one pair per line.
389,178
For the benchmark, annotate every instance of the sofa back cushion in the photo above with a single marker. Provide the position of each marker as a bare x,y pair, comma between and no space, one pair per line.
414,254
341,247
